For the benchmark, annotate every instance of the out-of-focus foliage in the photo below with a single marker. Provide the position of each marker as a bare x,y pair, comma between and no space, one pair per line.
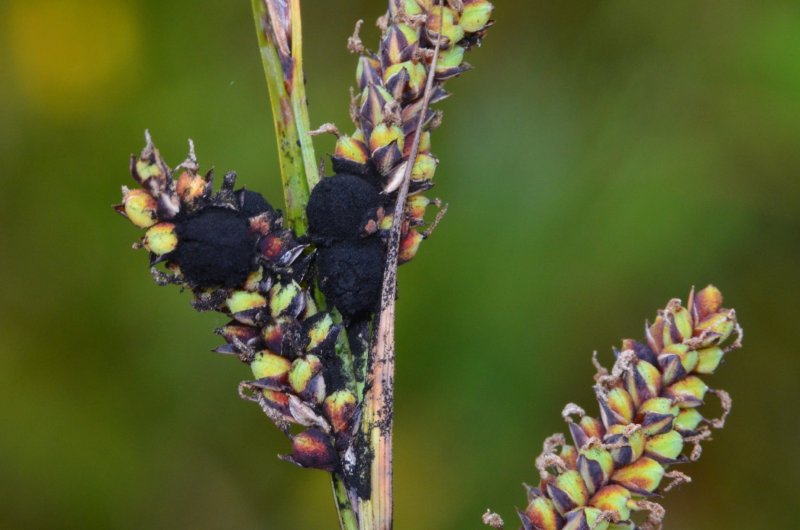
602,157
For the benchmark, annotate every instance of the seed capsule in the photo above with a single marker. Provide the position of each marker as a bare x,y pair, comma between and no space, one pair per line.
367,72
279,401
476,15
351,150
630,445
397,82
398,44
642,351
241,301
374,100
306,379
595,466
282,335
687,422
424,167
409,246
677,323
709,360
405,81
286,299
415,209
642,477
451,63
676,361
655,334
161,239
615,499
616,407
569,454
444,22
409,7
716,328
313,449
386,147
270,369
665,448
586,518
320,331
424,143
707,302
191,187
687,393
643,382
656,415
138,206
384,135
234,332
541,513
585,429
568,491
339,408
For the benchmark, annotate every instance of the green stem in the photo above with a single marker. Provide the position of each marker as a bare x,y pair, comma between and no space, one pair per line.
347,517
280,40
300,101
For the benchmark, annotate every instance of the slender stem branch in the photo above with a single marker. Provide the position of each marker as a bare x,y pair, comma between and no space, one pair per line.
280,40
376,513
300,102
347,518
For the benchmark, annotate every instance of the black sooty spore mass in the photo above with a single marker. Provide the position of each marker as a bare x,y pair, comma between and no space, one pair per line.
351,275
215,245
252,203
339,207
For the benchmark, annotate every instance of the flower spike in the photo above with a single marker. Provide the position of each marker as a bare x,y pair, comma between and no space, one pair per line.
232,252
649,420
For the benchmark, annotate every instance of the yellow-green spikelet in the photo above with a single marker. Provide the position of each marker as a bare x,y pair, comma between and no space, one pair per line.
648,419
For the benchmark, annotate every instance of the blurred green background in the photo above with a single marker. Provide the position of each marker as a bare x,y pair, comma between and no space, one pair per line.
600,159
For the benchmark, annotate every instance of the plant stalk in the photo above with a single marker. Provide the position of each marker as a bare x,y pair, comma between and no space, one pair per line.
280,40
347,517
376,513
279,31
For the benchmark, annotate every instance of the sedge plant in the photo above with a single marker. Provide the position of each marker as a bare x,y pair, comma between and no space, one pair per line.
310,291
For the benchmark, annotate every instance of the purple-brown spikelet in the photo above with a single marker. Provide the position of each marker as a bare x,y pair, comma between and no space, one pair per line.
648,421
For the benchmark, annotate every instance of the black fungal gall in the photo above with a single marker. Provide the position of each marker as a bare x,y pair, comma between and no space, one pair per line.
339,207
251,203
215,248
351,275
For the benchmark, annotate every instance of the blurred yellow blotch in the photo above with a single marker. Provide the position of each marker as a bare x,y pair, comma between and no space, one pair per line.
71,57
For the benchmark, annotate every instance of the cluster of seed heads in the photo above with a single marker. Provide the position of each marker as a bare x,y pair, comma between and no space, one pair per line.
231,250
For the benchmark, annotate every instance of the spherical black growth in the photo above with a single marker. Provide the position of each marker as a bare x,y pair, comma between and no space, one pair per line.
251,203
215,248
351,274
366,171
339,206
